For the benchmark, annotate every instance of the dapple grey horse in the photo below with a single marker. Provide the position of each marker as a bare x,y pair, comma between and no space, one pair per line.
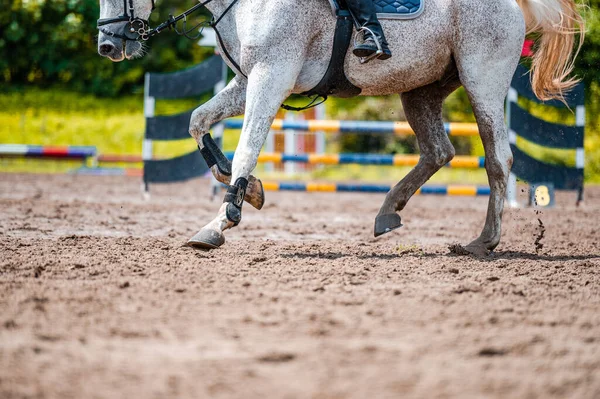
284,47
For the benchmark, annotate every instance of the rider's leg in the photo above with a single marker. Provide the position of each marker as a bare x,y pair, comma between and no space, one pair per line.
365,14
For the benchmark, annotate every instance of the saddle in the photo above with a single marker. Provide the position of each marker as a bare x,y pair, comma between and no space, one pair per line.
335,82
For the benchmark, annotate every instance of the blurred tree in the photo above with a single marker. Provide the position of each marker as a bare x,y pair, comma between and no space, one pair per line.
50,42
45,43
588,60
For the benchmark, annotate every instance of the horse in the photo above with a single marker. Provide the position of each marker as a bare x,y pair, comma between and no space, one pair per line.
280,47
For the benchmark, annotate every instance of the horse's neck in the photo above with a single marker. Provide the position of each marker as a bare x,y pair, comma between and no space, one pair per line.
226,27
218,7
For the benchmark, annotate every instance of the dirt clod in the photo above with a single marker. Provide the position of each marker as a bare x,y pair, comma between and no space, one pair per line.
491,352
277,357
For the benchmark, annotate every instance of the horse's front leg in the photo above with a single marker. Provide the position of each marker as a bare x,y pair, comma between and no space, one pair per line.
268,87
229,102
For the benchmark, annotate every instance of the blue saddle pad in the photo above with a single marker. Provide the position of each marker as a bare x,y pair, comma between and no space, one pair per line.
399,9
392,9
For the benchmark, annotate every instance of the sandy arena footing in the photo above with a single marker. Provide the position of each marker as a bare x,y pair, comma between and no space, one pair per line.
100,298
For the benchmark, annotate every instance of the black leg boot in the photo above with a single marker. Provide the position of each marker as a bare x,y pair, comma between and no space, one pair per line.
365,15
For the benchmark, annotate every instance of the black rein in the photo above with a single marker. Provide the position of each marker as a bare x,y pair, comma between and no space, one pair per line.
138,29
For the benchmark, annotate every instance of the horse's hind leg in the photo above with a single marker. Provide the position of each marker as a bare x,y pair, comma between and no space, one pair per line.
228,102
423,109
486,57
488,106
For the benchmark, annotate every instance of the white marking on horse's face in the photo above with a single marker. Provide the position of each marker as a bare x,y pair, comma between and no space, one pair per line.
121,49
114,8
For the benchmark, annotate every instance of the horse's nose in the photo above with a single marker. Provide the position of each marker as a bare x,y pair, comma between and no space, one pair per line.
105,49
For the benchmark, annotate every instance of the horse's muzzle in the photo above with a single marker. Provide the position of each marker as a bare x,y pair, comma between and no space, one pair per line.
111,48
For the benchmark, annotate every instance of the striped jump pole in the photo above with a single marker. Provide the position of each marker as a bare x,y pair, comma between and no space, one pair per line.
364,127
39,151
118,158
101,171
465,162
451,190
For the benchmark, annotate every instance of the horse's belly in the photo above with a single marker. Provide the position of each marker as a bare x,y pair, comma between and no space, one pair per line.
421,48
407,72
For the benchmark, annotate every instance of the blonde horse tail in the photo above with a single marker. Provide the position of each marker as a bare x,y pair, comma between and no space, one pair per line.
557,22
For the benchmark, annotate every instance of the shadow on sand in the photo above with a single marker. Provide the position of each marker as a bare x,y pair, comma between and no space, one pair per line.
494,256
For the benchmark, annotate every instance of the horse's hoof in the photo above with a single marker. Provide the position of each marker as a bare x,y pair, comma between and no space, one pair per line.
386,223
473,249
255,194
477,249
207,239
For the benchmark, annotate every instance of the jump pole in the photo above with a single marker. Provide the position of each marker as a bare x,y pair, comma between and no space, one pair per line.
366,127
463,162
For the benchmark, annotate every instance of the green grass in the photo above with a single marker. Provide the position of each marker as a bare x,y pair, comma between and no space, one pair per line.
62,118
116,126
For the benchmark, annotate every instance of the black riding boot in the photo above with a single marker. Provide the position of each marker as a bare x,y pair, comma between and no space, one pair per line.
364,13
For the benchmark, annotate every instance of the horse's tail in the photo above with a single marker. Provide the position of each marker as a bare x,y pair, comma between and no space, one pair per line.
557,22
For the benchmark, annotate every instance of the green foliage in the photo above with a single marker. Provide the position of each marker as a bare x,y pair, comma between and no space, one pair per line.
587,64
51,117
53,43
371,109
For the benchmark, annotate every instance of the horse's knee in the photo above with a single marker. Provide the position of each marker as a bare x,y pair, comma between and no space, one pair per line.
199,125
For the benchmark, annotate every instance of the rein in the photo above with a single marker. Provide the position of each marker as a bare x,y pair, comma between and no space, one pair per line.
137,29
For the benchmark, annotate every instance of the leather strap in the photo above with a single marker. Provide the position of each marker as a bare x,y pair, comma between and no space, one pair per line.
334,81
213,155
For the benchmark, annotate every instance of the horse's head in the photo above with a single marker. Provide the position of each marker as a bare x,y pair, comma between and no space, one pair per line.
122,24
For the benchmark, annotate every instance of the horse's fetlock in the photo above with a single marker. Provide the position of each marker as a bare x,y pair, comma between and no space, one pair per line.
233,213
234,198
235,192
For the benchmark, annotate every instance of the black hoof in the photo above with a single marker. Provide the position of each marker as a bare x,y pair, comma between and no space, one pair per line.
207,239
386,223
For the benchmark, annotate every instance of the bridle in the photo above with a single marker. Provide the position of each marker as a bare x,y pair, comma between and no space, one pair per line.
138,29
135,29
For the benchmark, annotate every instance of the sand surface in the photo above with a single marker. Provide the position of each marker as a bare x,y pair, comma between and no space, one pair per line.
100,299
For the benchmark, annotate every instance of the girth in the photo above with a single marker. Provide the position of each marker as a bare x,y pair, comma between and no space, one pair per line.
335,82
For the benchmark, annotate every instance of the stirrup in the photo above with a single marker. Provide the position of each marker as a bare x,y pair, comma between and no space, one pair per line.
376,54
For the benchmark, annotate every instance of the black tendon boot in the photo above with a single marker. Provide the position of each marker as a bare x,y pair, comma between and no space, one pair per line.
234,198
365,15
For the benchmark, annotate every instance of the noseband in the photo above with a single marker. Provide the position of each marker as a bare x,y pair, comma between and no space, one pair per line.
135,29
